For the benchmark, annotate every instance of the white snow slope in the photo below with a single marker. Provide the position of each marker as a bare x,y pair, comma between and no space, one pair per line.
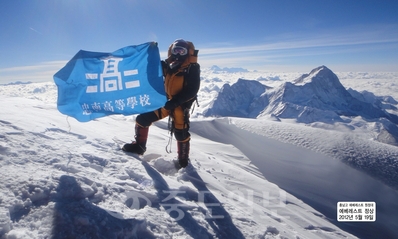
248,179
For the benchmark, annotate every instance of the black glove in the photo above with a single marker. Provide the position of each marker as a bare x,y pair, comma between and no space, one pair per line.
171,104
165,65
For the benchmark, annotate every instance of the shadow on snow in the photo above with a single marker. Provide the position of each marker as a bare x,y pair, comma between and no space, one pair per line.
75,217
220,220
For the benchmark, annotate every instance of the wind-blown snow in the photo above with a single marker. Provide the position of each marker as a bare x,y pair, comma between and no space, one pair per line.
250,178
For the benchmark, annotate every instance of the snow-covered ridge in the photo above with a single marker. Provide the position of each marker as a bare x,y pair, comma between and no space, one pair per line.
241,100
317,97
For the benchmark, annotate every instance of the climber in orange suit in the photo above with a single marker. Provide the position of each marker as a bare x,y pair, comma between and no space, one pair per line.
182,81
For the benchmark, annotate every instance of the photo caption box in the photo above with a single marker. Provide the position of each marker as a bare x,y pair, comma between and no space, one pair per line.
356,211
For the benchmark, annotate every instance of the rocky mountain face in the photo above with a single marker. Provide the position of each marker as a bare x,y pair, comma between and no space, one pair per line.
315,97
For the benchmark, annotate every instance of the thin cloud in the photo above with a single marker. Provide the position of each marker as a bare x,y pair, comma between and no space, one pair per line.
290,49
39,67
347,37
31,28
34,73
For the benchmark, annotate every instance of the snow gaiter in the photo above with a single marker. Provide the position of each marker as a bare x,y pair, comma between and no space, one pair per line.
183,152
139,145
141,136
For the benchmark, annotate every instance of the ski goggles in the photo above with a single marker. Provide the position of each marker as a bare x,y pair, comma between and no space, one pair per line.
179,50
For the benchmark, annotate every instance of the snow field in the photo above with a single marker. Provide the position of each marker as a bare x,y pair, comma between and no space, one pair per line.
64,177
249,178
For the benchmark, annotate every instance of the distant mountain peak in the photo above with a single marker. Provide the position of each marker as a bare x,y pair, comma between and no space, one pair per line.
215,68
315,97
237,99
321,73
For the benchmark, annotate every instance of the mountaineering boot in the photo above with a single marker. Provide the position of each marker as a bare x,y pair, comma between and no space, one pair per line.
139,145
183,153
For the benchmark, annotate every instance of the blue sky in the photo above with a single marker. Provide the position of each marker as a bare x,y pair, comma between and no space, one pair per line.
39,36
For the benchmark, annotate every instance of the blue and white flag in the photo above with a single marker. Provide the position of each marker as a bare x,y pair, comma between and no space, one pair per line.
127,81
